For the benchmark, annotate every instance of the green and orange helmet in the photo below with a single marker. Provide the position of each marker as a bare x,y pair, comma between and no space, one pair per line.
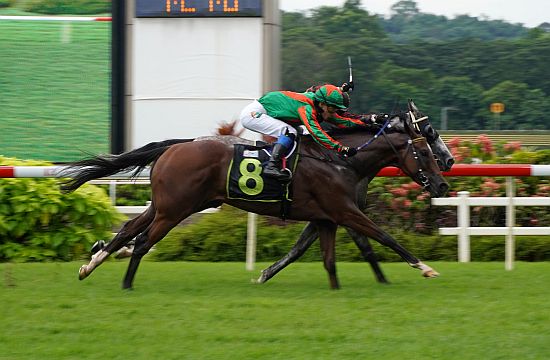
332,96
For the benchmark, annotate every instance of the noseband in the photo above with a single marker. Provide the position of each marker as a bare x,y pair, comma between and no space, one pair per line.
422,178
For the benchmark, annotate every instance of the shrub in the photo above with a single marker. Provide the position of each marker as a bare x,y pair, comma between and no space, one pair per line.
6,3
80,7
39,223
222,237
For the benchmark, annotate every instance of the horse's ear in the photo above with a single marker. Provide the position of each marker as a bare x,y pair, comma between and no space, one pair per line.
408,124
412,106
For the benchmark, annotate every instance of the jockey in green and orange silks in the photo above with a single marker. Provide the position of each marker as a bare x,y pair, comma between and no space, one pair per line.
278,113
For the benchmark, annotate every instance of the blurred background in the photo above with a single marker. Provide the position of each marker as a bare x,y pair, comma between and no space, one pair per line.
55,75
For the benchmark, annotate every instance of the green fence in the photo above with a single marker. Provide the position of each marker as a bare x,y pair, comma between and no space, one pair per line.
54,89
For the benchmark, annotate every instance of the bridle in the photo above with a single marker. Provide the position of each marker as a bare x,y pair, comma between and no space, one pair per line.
416,125
422,178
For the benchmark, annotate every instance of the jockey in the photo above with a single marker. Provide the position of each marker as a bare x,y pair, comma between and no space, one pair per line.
278,113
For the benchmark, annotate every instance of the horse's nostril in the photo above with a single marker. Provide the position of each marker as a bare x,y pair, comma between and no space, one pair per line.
450,163
443,188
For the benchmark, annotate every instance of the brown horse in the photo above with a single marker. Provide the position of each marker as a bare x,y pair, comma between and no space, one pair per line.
308,236
191,176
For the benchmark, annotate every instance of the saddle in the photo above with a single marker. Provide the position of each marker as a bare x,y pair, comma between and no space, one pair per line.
245,180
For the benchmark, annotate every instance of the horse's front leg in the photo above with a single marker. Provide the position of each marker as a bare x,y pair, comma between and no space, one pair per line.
361,241
362,224
307,237
367,251
327,237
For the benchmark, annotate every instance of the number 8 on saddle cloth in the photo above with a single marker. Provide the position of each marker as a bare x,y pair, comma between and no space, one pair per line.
245,180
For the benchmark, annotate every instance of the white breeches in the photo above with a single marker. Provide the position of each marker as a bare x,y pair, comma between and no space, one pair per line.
254,117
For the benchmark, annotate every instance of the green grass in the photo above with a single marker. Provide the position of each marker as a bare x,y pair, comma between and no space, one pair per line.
54,89
212,311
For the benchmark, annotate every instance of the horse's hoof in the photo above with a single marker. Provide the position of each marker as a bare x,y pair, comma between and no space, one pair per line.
430,274
262,279
82,273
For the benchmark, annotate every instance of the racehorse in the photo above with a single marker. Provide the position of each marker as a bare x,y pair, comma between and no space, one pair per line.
308,236
190,176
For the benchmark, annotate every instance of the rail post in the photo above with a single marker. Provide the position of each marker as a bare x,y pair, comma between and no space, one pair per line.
251,230
463,223
510,223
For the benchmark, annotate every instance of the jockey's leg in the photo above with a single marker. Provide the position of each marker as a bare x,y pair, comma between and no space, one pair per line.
273,168
255,118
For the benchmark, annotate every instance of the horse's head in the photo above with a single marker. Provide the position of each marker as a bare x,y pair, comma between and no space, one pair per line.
441,152
417,160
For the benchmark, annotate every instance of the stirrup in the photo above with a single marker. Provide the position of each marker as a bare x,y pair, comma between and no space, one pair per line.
278,174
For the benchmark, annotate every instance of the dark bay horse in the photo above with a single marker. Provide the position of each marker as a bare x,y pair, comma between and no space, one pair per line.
308,236
189,177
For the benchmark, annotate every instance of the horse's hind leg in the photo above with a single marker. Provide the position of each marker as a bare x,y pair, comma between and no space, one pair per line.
156,231
365,247
307,237
327,237
127,233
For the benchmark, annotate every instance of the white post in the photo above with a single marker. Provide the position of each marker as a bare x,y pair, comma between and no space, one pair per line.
112,191
251,241
463,225
510,223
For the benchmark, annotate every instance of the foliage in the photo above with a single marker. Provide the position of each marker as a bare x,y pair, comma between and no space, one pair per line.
6,3
408,24
81,7
39,223
464,63
222,237
412,209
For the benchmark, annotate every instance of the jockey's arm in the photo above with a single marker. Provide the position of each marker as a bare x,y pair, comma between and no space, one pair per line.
315,130
347,119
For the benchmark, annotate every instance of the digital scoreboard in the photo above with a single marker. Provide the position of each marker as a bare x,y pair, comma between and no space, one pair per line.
192,65
198,8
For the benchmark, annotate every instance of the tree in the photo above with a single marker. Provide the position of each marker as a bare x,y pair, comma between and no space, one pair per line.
462,94
405,8
524,108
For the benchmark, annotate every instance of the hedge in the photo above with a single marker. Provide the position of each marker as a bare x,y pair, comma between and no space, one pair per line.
38,223
222,237
6,3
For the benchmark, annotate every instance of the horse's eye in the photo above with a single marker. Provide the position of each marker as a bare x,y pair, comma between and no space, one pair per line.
424,153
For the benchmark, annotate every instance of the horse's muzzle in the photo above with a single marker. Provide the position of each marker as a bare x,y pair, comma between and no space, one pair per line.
445,165
442,189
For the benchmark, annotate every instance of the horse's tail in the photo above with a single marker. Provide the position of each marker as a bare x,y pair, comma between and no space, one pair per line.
97,167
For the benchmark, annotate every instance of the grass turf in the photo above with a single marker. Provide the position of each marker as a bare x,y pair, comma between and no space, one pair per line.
55,89
212,311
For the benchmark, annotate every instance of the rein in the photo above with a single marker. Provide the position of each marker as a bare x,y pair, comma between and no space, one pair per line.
410,145
386,124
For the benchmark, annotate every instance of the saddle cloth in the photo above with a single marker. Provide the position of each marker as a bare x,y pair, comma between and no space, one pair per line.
245,180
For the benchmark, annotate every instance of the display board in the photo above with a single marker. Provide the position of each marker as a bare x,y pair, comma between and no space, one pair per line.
198,8
190,73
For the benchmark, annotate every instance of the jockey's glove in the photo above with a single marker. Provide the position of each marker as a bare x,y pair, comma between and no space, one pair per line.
347,151
369,118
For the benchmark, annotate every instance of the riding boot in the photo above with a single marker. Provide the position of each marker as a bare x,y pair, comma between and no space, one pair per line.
273,167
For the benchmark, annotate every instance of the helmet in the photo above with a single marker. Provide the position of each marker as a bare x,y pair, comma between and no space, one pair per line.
332,96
